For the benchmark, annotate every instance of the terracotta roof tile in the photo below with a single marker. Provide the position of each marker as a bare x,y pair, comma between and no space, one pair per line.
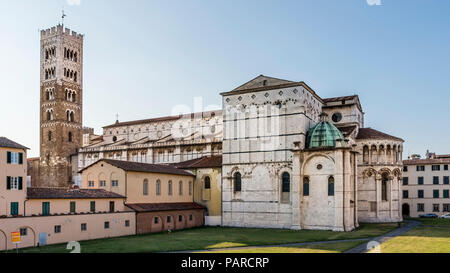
203,162
142,167
340,98
369,133
426,161
149,207
63,193
168,118
7,143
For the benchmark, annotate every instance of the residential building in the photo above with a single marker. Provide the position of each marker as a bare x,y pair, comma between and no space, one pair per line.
426,185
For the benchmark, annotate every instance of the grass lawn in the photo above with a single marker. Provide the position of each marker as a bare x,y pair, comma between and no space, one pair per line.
433,221
213,237
313,248
420,240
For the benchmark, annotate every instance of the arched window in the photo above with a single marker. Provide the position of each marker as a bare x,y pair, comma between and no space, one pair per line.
145,187
158,187
47,95
237,182
366,154
75,76
76,57
384,181
49,135
306,186
180,188
70,137
170,187
207,183
49,115
74,97
286,182
72,118
331,186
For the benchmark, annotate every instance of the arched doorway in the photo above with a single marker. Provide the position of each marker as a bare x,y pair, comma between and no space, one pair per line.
6,239
405,210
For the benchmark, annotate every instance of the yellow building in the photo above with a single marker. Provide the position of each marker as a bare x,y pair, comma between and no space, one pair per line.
13,173
207,185
161,195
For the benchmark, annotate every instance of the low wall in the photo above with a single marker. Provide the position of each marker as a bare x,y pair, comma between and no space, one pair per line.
70,228
213,220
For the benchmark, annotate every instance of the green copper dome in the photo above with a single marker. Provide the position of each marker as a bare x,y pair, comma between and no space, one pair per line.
323,135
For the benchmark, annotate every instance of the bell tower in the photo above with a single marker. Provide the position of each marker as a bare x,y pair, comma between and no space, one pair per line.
61,104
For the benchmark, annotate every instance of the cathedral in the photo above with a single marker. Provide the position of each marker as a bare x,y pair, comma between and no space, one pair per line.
277,155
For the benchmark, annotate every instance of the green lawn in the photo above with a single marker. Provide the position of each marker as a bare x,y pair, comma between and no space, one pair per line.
313,248
420,240
433,221
213,237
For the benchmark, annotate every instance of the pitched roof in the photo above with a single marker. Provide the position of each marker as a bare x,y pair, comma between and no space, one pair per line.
203,162
64,193
168,118
369,133
426,161
257,85
328,102
149,207
340,98
7,143
142,167
262,81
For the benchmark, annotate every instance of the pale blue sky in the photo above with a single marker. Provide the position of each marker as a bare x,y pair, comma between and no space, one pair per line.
142,58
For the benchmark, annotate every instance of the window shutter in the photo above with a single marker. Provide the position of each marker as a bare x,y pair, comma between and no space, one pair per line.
20,158
8,182
20,182
8,157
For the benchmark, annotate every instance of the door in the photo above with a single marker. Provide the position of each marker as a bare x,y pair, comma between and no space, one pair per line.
42,239
405,210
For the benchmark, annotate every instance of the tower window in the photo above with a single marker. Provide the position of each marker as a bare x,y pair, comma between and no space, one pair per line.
70,137
286,182
49,136
237,182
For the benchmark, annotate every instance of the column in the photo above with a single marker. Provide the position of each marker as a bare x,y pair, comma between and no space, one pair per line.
296,191
391,191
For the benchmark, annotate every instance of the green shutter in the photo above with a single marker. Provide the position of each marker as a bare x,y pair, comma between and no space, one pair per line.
14,208
20,182
8,182
20,158
45,208
8,157
72,207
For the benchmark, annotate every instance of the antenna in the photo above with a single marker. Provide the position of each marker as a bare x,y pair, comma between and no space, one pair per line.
63,16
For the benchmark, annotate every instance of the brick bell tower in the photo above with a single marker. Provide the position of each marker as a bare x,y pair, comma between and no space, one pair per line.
61,104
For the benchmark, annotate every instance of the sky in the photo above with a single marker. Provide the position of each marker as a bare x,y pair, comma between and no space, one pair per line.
142,59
